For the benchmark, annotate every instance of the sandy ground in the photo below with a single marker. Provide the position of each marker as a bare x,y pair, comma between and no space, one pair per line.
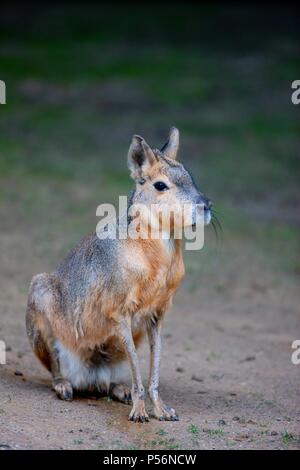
226,368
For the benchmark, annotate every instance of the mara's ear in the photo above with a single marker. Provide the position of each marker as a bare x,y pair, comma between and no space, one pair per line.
140,157
170,149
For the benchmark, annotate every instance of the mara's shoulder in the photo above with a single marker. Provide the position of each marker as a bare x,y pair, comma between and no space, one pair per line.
91,250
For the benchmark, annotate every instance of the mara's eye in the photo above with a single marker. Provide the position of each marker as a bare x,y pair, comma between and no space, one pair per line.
160,186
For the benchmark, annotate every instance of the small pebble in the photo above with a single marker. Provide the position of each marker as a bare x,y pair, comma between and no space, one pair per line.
4,447
92,403
241,437
196,378
17,372
222,422
248,359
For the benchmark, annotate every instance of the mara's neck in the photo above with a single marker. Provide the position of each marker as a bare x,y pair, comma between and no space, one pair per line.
167,242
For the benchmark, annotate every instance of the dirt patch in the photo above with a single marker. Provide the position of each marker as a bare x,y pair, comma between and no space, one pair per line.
226,368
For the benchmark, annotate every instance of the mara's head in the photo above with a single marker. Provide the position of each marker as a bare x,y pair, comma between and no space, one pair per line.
163,184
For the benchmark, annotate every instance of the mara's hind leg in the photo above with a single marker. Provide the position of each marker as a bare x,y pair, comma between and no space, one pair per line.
121,393
62,387
43,297
116,389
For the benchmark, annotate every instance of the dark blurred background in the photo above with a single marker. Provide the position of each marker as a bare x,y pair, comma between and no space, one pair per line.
80,81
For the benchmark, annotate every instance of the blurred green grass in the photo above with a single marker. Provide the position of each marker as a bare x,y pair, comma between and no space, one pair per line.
80,81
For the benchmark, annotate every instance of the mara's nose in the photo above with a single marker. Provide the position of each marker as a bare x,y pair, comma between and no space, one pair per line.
206,203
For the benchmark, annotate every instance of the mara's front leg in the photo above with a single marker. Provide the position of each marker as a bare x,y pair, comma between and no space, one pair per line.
161,411
138,412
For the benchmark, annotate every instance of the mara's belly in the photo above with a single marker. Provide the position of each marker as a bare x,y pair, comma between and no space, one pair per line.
90,373
95,365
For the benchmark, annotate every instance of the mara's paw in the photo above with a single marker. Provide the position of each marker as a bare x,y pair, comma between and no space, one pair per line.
138,413
121,393
63,389
164,413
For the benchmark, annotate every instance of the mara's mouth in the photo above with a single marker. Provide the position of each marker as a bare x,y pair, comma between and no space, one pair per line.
205,220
